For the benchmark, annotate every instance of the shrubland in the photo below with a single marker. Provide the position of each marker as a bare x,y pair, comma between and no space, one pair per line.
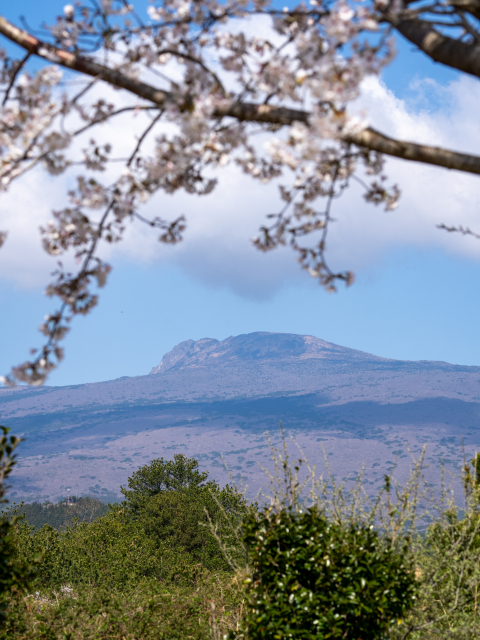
182,557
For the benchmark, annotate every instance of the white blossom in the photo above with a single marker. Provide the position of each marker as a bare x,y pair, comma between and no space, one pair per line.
206,59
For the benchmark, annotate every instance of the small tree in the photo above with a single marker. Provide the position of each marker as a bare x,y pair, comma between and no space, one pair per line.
200,521
174,503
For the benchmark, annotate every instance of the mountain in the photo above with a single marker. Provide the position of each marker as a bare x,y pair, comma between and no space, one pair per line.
257,347
210,398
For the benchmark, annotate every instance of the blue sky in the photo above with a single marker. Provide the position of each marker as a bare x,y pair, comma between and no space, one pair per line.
416,294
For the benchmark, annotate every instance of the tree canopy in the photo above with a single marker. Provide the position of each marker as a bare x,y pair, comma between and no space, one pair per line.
159,475
176,504
203,82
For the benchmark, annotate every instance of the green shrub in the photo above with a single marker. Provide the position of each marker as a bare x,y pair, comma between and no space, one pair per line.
15,573
112,552
61,515
149,611
315,578
160,533
182,520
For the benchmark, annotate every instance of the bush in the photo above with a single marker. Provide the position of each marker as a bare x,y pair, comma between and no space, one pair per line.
447,563
14,572
148,611
111,552
159,533
315,578
183,520
62,515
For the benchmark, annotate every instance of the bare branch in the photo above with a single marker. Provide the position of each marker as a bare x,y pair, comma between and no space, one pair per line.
470,6
438,156
465,231
142,138
186,56
19,67
82,64
440,48
107,116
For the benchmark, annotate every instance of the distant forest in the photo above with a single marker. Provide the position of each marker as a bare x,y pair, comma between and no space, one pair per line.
62,515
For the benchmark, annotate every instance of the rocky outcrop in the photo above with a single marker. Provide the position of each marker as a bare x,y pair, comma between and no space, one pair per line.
257,347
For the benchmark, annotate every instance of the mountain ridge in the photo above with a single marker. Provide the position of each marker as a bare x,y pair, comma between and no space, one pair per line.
256,364
212,398
284,346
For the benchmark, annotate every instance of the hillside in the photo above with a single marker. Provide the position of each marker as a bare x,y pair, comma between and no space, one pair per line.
210,398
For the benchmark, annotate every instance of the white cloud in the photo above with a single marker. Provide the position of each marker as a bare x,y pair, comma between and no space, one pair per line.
430,195
23,209
217,249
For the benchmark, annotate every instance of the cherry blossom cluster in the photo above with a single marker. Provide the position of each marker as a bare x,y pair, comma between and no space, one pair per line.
225,78
26,121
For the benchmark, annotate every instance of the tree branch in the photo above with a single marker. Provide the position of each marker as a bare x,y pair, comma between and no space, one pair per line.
471,6
412,151
245,111
15,73
82,64
448,51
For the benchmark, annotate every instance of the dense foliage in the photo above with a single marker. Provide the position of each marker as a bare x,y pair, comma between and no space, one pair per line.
182,557
311,575
182,520
14,571
159,475
62,515
151,567
165,536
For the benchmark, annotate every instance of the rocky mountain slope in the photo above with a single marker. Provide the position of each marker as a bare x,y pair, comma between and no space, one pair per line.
230,391
255,365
